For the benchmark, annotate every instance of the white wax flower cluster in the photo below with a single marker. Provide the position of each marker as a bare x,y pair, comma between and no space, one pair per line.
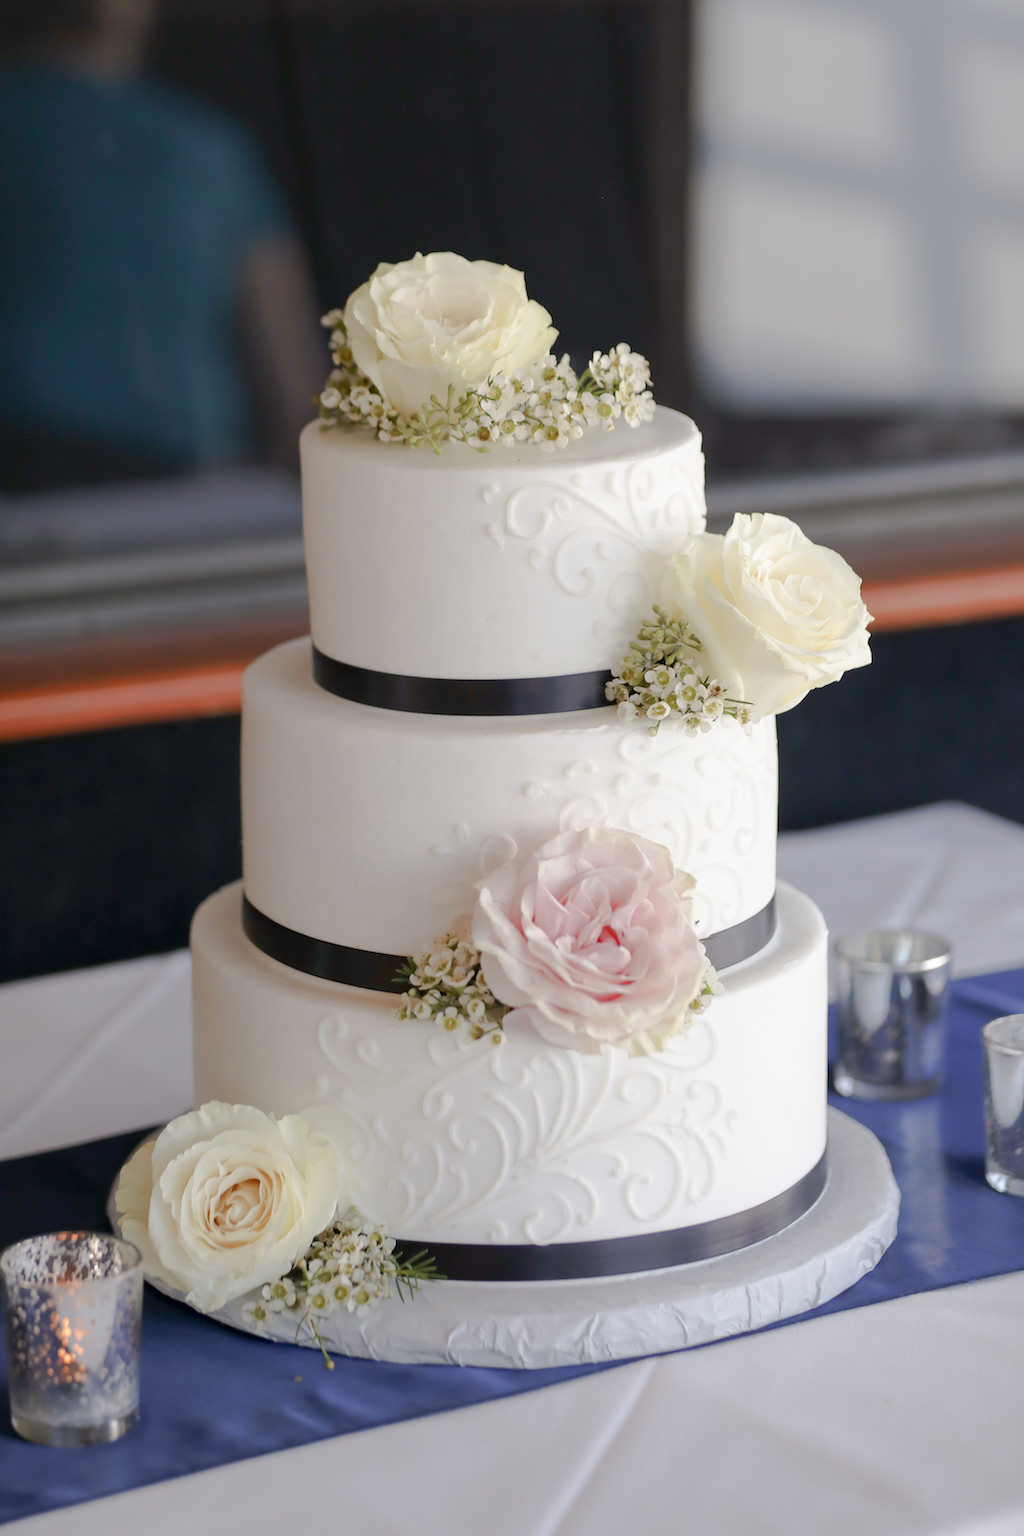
446,984
350,1265
662,676
439,349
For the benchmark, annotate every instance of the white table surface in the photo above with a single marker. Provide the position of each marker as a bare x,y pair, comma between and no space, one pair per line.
900,1418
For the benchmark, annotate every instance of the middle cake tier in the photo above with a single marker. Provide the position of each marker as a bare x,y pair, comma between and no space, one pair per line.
369,828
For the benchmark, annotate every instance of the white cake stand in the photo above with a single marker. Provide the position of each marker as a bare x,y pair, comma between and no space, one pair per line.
536,1324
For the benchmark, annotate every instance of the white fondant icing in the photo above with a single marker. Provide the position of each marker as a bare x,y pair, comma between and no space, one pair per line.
448,1139
369,827
514,563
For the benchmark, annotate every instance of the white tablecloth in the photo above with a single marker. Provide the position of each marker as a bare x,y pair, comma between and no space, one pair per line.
901,1418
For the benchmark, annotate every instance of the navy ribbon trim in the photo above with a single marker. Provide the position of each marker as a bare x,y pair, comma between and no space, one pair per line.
377,972
731,945
623,1255
459,695
365,968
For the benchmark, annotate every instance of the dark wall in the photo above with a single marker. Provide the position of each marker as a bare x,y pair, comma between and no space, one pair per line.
517,133
553,138
111,840
938,715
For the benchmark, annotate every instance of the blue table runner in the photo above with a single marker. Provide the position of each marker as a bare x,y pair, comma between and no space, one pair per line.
212,1396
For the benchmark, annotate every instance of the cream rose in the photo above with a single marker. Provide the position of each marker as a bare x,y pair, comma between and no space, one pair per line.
225,1199
419,326
590,941
776,614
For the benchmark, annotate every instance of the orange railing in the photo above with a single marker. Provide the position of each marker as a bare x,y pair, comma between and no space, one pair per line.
132,680
946,597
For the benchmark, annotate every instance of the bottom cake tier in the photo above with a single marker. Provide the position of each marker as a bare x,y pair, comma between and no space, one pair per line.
567,1323
703,1148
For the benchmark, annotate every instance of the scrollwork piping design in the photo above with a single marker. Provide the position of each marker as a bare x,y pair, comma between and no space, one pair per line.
535,1141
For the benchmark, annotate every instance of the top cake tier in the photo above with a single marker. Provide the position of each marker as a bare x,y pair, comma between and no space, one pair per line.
506,564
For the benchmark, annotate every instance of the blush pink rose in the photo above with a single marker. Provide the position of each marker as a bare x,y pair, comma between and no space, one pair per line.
589,940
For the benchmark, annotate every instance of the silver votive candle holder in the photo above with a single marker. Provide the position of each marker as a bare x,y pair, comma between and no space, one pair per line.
1003,1046
892,989
72,1304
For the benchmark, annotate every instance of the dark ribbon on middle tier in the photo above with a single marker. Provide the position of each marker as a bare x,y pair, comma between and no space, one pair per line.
376,972
461,695
366,968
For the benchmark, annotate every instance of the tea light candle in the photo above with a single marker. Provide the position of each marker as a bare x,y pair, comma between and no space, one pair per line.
72,1315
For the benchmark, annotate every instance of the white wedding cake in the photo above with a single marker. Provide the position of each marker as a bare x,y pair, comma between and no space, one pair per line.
371,817
509,939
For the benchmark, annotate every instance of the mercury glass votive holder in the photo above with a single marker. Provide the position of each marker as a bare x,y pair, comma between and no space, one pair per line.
72,1305
1003,1044
892,990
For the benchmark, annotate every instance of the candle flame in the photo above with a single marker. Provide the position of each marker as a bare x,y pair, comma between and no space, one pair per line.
69,1351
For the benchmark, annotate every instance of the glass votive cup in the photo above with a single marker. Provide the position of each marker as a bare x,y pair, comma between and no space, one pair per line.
892,989
1003,1045
72,1305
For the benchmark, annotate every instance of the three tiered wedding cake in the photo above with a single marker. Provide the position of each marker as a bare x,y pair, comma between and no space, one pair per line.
508,948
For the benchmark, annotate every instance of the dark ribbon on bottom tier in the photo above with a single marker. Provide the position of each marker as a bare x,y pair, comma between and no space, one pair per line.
743,940
624,1255
377,972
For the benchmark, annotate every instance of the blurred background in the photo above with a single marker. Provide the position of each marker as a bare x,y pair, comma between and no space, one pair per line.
809,214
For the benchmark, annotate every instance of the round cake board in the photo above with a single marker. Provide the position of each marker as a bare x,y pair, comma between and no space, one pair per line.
535,1324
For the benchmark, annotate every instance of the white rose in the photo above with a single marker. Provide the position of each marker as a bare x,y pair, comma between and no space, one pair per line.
225,1199
419,326
776,614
